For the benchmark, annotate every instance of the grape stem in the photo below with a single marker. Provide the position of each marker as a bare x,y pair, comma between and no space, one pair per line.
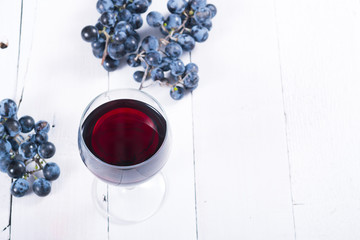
107,36
145,74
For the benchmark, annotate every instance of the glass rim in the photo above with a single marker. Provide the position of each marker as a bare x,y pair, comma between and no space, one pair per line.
167,132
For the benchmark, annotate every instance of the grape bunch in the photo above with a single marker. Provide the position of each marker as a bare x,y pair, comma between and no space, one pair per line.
114,35
189,22
24,153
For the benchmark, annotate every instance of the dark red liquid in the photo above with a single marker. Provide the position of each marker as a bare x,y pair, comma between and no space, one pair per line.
124,132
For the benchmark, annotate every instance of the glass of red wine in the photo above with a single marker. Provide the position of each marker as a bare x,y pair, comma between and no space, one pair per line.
124,140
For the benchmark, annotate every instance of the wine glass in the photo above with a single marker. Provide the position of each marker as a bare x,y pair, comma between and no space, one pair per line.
124,140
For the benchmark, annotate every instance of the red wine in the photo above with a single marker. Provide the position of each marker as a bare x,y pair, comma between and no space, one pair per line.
124,132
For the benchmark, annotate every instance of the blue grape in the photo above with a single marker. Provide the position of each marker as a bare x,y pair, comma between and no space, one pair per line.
173,50
157,74
196,4
207,24
136,21
15,141
105,6
177,67
132,62
39,138
5,146
176,6
16,169
41,187
150,43
124,15
116,50
108,19
4,161
90,34
123,26
27,124
131,44
51,171
12,127
119,2
173,22
19,187
119,37
191,81
153,58
135,35
8,108
155,19
2,130
212,9
98,53
46,150
199,33
42,126
177,92
100,43
165,64
138,76
99,26
27,150
186,41
138,6
202,14
191,68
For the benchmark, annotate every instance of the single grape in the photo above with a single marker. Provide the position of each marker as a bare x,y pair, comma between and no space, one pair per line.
132,61
157,74
108,19
202,14
42,126
16,169
90,34
19,187
99,26
155,19
12,127
28,149
8,108
177,92
177,67
136,21
191,81
100,43
176,6
212,9
196,4
98,53
135,35
207,24
186,41
51,171
39,138
2,130
173,50
165,64
119,2
153,58
124,15
46,150
119,37
105,6
191,68
41,187
199,33
138,6
131,44
4,161
150,43
173,22
5,145
123,26
138,76
116,50
27,124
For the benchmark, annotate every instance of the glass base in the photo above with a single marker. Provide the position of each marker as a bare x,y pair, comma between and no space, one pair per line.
130,204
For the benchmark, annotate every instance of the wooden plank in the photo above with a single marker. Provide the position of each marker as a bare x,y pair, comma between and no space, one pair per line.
61,79
320,59
9,32
177,217
242,171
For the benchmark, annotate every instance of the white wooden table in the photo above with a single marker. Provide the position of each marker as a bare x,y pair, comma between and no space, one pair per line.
268,146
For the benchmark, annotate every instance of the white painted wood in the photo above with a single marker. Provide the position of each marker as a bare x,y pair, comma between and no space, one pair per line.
242,172
177,217
61,80
320,59
9,31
